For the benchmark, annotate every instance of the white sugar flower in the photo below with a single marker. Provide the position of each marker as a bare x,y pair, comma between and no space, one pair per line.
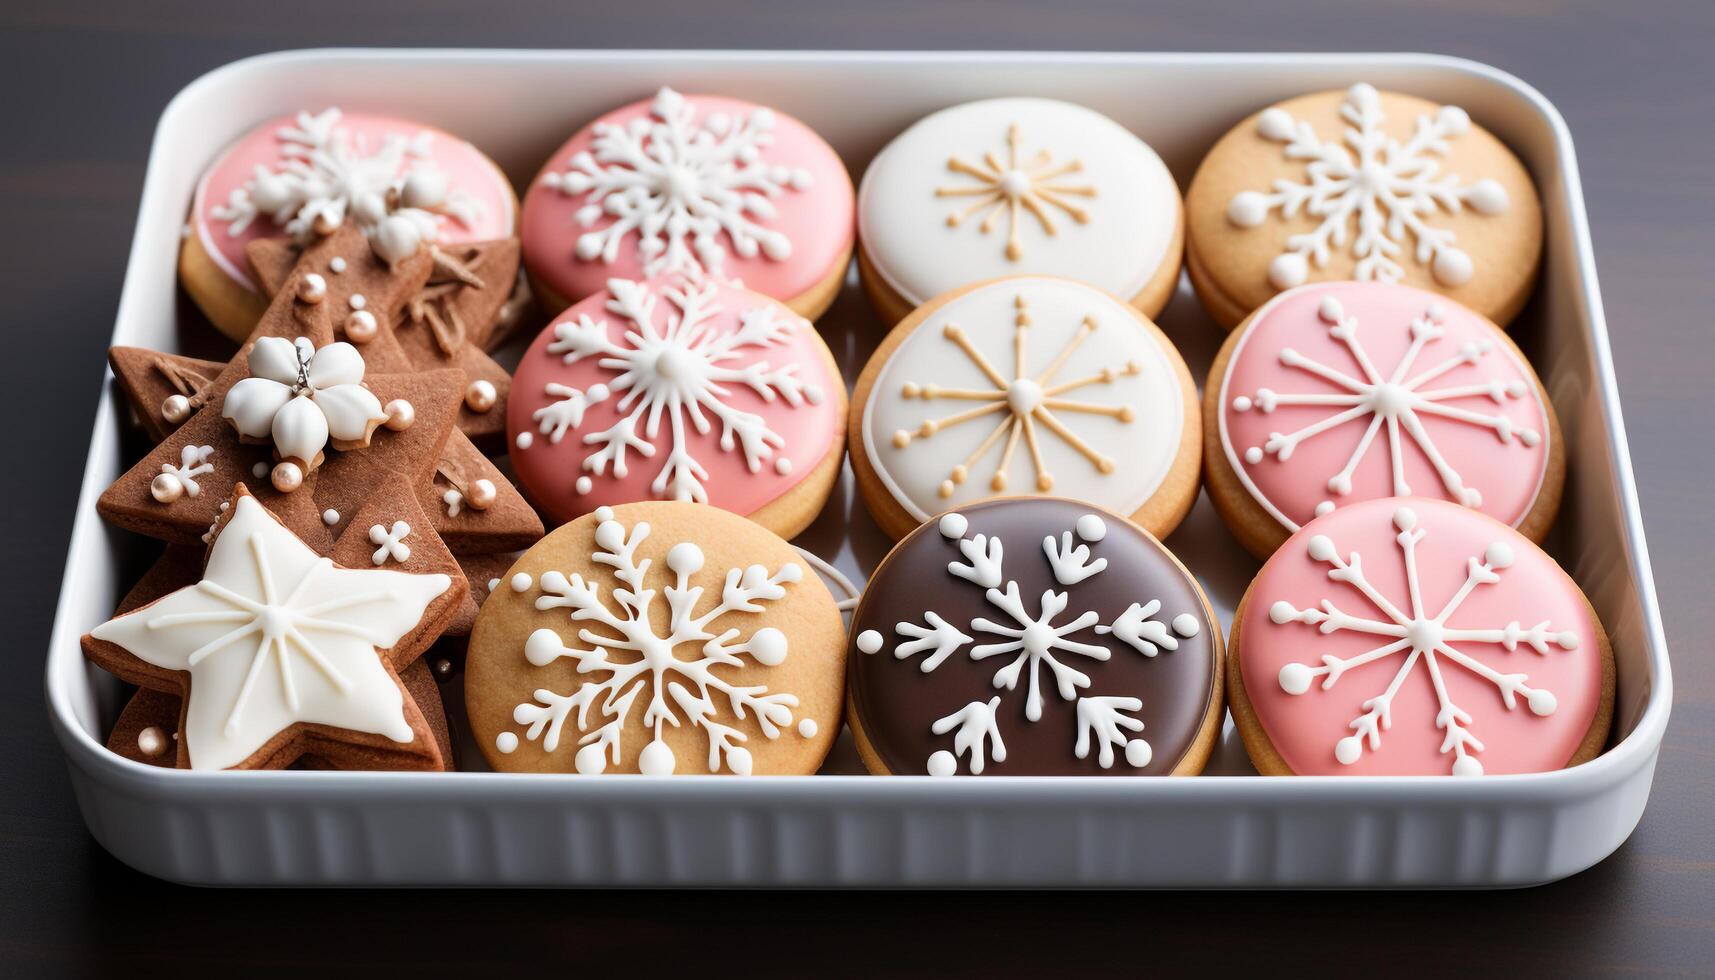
300,398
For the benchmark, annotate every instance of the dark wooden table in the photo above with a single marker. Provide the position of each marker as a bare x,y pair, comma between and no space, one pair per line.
85,84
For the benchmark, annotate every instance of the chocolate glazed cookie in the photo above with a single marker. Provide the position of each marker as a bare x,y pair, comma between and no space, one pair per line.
1034,636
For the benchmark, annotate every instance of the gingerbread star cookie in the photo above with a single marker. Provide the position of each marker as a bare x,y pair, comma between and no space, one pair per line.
279,652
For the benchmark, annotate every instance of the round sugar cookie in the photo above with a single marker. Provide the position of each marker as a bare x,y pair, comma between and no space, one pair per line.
1366,185
1017,186
666,390
1412,637
292,176
696,186
1034,637
657,637
1020,386
1334,393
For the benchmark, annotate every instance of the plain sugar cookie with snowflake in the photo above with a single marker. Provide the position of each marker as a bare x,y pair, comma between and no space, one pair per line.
674,389
1029,385
1036,637
1335,393
1016,186
1415,637
659,638
698,187
300,177
1366,185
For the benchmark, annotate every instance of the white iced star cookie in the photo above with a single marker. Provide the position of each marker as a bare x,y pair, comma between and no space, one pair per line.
1029,385
1366,185
657,638
697,187
1017,186
279,652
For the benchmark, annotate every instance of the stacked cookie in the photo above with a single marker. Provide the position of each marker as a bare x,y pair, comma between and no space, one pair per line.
1024,430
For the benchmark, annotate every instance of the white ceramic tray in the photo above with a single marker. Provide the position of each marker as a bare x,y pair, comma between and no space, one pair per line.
1231,828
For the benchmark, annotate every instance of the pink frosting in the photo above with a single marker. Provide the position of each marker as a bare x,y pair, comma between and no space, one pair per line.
817,219
549,471
1507,473
466,168
1532,590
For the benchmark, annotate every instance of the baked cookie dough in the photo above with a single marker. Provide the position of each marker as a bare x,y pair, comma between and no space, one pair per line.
691,186
1043,637
1014,186
1412,637
1365,185
301,176
658,637
702,392
1020,386
1334,393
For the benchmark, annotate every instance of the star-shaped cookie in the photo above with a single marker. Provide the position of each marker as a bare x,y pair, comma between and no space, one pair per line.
279,652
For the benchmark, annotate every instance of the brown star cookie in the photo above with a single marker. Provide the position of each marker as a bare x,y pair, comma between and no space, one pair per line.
490,514
443,323
278,652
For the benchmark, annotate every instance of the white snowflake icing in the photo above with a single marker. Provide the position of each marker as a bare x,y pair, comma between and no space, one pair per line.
1397,400
649,662
181,479
1104,723
1388,189
325,175
275,634
676,371
1422,638
680,185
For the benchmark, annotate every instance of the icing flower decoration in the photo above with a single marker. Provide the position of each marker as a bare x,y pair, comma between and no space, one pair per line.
301,398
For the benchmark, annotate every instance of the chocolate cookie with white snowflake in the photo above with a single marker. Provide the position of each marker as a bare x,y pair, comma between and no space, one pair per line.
1029,385
1414,637
1034,637
1339,392
657,637
1366,185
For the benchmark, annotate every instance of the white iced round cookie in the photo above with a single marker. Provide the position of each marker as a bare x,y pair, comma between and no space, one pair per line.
1021,386
1013,186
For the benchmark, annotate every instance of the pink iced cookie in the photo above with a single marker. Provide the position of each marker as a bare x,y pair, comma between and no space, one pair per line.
1335,393
668,390
292,175
1417,637
692,185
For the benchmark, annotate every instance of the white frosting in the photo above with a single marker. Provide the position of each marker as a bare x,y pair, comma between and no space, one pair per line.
300,397
390,542
274,635
1129,216
1140,452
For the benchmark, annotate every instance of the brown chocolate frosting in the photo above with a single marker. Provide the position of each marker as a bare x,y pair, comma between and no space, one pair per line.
896,703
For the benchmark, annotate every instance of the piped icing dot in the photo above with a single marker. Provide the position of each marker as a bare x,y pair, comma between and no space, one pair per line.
1389,643
521,582
1351,391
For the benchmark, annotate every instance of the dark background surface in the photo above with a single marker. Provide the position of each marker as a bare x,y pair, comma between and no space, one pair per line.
83,86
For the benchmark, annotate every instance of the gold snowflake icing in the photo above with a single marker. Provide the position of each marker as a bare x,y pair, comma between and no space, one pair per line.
1015,186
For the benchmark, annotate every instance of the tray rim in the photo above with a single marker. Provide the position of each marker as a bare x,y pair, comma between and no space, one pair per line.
1619,763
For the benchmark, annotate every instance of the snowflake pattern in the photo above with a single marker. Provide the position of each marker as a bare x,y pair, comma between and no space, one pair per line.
1023,402
648,662
1422,638
1397,400
1388,189
680,185
1104,723
677,370
1014,187
325,175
